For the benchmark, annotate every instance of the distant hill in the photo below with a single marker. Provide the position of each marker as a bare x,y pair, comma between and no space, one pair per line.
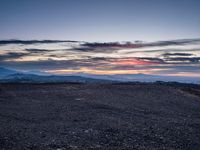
5,72
8,75
144,78
31,78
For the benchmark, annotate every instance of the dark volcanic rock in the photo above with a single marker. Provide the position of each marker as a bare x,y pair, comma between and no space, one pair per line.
99,116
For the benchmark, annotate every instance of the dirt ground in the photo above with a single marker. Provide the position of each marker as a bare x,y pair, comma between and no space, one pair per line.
99,116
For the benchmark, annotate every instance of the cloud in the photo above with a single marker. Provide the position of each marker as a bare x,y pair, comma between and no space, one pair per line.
101,63
152,59
111,56
113,46
28,42
12,55
176,54
126,60
184,59
95,62
31,50
174,42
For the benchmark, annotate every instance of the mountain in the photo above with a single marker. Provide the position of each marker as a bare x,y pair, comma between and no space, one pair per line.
125,77
144,78
31,78
8,75
5,72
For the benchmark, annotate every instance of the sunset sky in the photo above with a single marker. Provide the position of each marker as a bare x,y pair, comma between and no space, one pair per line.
159,37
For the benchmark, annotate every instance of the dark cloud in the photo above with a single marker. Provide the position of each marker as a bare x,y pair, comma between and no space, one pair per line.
152,59
174,60
12,55
16,55
167,50
113,45
26,42
176,54
174,42
37,50
184,59
108,47
82,48
85,47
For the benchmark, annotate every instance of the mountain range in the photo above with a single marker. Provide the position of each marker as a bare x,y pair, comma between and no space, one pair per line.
9,75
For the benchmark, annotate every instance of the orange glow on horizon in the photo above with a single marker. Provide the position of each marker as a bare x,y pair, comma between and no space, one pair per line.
133,62
91,71
102,72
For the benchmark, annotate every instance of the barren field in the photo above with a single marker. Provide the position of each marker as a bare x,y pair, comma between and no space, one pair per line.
99,116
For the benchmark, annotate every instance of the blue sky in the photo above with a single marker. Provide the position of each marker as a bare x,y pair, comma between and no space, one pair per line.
103,20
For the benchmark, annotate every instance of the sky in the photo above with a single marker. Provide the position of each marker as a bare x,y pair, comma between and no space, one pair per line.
159,37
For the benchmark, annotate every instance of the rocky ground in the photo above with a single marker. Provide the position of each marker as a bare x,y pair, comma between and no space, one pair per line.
99,116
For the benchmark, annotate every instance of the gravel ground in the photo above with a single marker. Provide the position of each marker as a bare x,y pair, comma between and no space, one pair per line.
99,116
